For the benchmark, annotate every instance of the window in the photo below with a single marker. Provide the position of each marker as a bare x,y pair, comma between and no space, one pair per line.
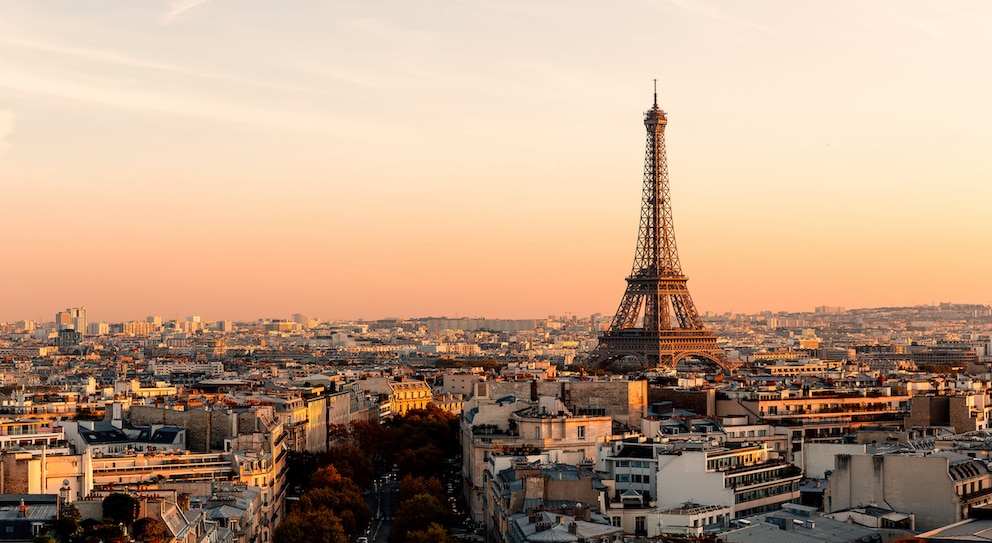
640,525
537,433
582,432
615,521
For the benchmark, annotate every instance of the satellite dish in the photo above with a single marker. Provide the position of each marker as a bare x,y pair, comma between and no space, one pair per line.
65,482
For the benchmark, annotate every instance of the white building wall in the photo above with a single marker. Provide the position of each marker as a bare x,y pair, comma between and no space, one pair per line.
818,458
683,478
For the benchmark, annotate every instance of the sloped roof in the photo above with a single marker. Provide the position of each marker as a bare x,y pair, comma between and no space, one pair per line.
558,532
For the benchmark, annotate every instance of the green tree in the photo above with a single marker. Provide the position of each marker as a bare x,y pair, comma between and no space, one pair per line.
120,509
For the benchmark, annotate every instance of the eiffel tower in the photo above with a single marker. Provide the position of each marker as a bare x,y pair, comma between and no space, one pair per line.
657,323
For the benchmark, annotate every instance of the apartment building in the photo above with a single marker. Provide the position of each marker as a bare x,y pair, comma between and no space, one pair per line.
508,426
941,488
527,488
816,414
744,478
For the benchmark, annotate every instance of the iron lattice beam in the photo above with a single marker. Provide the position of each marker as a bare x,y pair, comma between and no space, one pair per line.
657,323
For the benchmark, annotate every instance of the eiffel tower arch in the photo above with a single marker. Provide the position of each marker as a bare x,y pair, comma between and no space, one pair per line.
657,324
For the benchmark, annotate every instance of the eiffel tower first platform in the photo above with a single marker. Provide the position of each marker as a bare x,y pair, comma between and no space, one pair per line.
657,323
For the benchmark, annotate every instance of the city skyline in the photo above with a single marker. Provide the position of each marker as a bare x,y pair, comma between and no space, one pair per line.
346,160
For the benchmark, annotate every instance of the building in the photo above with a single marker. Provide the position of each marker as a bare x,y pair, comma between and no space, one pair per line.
531,488
814,414
965,412
941,488
544,526
741,477
72,318
24,516
798,524
507,426
398,396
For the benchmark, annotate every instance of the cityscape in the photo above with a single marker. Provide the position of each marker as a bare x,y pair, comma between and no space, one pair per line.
658,423
346,273
200,421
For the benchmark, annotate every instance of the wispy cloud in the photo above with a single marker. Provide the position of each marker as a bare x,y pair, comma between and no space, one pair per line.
113,58
178,7
6,127
107,94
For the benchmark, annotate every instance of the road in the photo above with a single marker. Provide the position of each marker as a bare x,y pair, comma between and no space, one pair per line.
382,498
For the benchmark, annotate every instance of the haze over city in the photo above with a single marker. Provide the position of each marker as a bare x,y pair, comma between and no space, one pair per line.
366,160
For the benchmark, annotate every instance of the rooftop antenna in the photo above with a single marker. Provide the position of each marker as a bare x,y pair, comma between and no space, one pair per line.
655,93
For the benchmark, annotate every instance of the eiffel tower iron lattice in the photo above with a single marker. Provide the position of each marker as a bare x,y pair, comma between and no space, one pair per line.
657,323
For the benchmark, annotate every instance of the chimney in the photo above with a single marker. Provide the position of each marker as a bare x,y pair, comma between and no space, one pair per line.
573,528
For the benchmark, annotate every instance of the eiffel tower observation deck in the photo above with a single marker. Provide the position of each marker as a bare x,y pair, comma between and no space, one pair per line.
657,324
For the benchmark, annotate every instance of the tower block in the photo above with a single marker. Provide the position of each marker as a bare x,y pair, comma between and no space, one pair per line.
657,323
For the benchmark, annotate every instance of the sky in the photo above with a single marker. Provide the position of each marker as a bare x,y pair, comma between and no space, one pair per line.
351,159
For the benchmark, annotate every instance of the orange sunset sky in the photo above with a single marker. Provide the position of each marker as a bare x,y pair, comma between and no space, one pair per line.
356,159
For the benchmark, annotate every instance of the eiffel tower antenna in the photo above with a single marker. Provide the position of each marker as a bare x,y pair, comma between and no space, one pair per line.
657,324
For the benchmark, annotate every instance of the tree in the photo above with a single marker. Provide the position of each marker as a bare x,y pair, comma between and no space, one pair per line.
422,461
338,495
151,530
344,500
68,526
302,467
418,513
314,525
338,433
108,532
420,427
411,485
435,533
374,440
120,509
351,462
